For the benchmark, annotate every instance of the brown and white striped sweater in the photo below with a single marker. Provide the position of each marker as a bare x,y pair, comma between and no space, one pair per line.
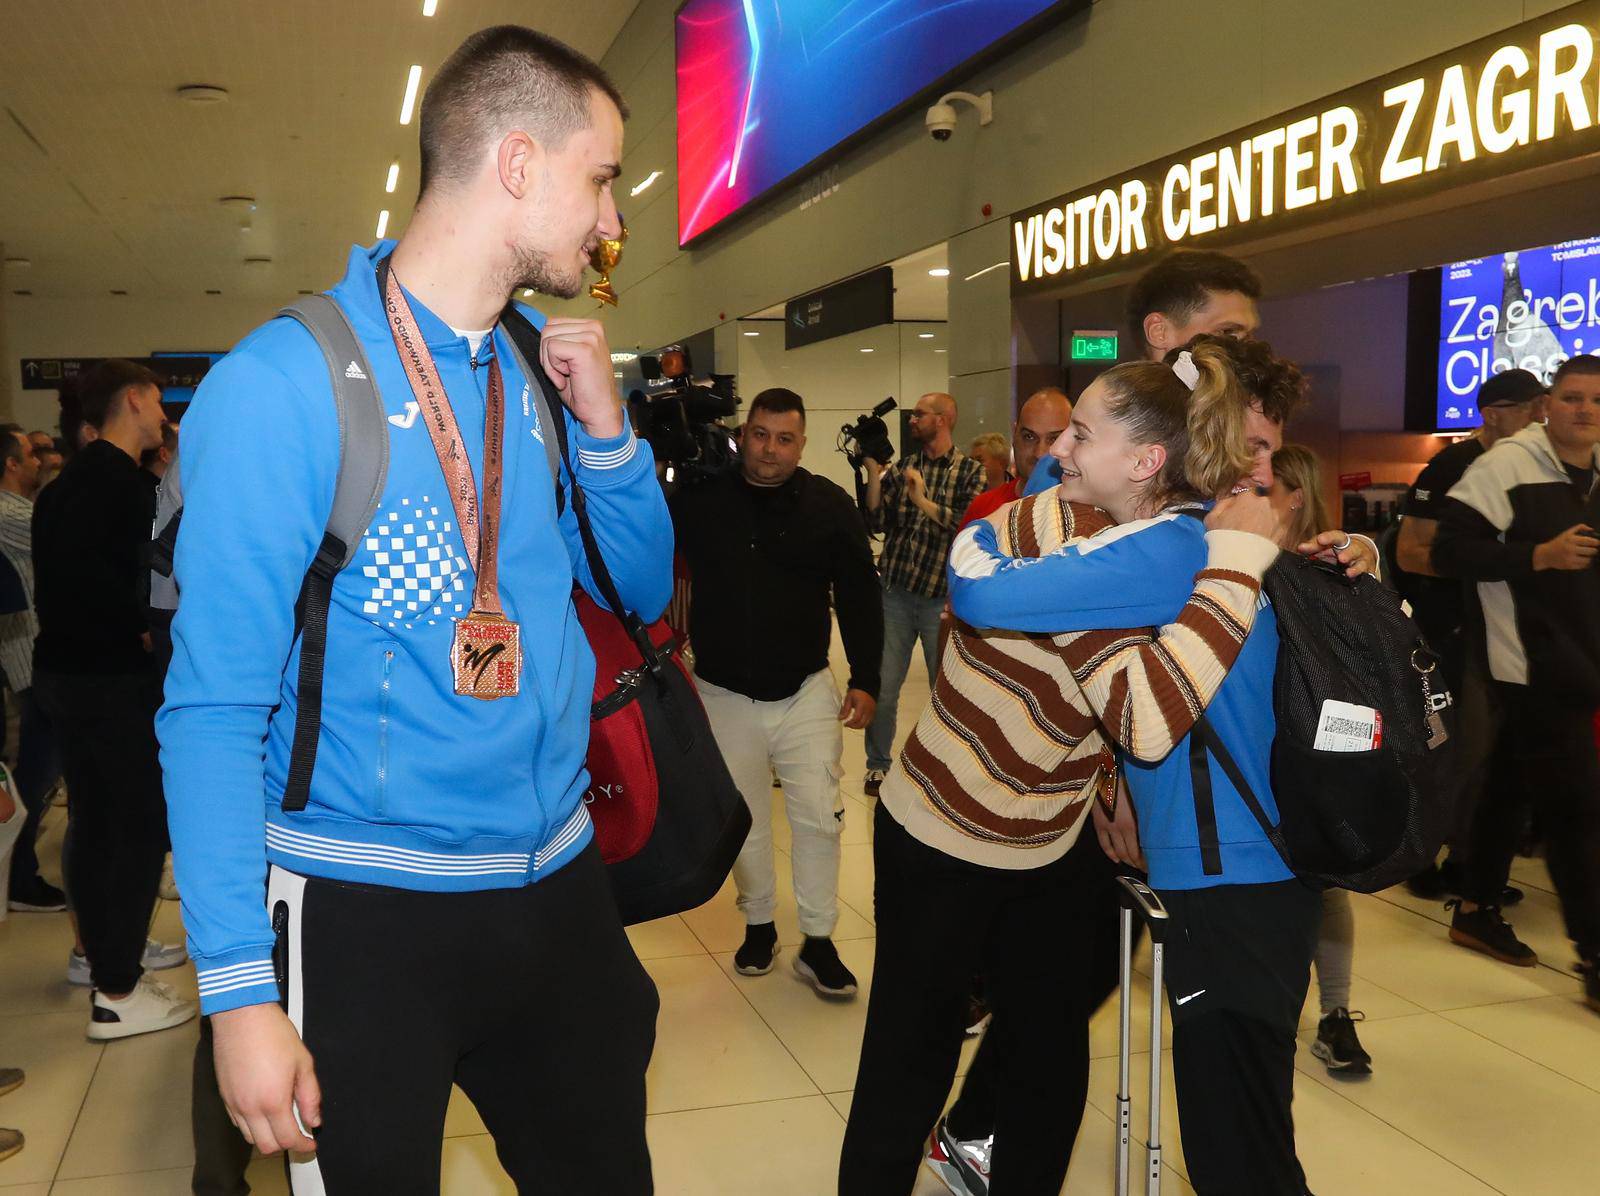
1003,763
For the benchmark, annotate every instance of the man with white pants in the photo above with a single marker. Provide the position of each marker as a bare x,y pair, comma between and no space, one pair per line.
767,546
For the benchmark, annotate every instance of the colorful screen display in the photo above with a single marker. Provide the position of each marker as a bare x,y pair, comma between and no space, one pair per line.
1527,309
765,87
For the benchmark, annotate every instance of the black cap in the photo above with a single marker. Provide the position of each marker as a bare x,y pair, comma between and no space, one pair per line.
1510,388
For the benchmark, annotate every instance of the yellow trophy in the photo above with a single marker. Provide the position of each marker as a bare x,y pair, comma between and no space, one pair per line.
604,259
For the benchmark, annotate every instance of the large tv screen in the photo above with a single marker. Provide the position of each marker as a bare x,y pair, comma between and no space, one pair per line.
1527,309
766,87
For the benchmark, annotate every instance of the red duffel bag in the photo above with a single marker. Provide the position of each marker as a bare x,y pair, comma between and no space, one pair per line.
668,817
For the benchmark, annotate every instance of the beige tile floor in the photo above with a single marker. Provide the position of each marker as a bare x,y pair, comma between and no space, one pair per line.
1487,1078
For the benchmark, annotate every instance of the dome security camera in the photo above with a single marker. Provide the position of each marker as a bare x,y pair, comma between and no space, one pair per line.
941,118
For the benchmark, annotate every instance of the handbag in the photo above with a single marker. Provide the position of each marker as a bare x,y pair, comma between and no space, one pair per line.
668,817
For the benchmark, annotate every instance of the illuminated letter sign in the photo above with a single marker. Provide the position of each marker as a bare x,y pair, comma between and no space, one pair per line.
1521,98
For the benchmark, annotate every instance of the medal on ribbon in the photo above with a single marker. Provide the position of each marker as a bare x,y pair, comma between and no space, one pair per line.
486,651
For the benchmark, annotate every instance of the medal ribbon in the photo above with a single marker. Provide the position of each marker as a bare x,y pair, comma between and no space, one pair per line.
480,528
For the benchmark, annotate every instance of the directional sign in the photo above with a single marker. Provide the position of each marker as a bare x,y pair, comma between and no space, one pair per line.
51,373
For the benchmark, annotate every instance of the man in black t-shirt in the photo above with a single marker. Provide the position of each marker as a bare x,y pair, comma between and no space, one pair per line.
1443,607
767,548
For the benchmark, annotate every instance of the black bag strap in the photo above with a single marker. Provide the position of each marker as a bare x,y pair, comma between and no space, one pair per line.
551,412
524,339
1205,805
1203,738
363,470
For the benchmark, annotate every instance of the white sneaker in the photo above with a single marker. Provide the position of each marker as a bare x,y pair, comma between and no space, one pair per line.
169,886
157,957
149,1007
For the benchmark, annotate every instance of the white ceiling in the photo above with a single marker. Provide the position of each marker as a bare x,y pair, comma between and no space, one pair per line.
117,187
917,294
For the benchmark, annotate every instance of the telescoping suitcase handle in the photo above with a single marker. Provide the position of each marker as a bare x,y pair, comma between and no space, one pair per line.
1138,899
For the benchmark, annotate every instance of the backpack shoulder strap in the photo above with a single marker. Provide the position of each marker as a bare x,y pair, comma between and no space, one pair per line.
363,434
1203,738
363,470
524,339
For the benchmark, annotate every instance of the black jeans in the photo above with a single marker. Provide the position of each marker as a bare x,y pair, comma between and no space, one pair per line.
38,769
532,1000
1026,932
1544,753
117,814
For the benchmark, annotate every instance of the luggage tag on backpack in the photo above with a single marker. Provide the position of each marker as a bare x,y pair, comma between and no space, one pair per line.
1346,727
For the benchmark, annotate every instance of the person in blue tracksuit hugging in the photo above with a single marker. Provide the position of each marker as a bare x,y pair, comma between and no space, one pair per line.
438,913
1243,928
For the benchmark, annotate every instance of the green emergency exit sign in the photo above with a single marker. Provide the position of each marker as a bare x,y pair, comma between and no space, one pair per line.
1094,346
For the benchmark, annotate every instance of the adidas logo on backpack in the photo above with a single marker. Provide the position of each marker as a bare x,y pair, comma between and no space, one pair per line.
354,371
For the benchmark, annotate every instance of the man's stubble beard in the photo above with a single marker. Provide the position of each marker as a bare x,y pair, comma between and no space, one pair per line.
532,270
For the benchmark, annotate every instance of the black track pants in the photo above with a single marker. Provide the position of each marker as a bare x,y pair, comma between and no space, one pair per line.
530,999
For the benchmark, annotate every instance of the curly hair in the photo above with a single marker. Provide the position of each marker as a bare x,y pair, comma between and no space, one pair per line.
1274,384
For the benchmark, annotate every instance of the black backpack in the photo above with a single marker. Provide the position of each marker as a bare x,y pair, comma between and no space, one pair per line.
1355,820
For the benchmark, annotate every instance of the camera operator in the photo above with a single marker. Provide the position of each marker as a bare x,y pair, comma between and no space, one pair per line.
918,505
765,546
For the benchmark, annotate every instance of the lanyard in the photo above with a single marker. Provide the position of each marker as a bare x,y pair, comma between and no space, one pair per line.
480,527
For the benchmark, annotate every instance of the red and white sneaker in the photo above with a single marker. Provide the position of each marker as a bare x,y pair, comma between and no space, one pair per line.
963,1167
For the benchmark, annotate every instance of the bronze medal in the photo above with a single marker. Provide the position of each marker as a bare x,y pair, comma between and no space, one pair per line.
486,656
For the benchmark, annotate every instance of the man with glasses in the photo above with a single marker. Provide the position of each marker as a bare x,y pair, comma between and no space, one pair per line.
917,504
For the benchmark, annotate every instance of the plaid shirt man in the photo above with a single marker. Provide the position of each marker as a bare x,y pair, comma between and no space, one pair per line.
916,547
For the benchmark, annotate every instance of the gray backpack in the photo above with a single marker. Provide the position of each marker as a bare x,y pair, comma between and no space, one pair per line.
363,471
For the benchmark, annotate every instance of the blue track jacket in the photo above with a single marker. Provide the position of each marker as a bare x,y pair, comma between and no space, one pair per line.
415,787
1140,574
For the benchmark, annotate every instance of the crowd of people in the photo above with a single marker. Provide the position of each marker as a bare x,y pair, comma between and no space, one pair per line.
1086,599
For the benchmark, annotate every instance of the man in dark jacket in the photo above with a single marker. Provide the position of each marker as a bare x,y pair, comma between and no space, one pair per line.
766,546
1520,524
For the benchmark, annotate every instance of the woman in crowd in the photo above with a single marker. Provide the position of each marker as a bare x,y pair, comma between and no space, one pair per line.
1297,496
977,843
1243,928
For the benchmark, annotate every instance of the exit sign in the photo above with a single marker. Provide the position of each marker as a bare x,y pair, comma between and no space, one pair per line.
1094,346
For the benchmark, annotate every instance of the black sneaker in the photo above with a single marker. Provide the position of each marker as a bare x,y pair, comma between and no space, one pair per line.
819,963
1485,930
754,958
1337,1045
873,780
38,896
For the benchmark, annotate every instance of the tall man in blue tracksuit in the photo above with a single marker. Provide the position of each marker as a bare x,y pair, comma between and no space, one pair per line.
442,914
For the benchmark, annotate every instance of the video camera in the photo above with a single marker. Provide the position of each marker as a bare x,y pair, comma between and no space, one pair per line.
679,419
868,437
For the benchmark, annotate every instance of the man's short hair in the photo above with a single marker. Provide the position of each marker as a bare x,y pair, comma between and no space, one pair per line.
13,445
1582,366
499,79
100,385
778,401
1179,284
